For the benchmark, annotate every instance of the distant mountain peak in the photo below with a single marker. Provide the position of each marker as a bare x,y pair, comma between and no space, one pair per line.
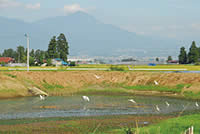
86,35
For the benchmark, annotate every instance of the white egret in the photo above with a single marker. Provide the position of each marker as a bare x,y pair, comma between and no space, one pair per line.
85,98
167,103
197,105
97,77
155,82
131,100
42,97
157,108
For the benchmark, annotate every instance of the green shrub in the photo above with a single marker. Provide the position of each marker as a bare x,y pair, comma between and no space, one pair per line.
72,63
2,63
180,86
116,68
191,95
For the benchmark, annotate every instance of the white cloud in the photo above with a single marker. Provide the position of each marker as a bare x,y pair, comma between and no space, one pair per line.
33,6
158,28
73,8
5,4
196,26
9,4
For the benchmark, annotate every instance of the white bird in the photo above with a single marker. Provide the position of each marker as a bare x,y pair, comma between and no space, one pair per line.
157,108
85,98
183,106
131,100
197,105
167,103
42,97
155,82
97,77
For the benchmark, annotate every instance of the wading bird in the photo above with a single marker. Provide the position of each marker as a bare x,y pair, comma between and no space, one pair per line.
131,100
197,105
155,82
157,108
97,77
167,103
85,98
42,97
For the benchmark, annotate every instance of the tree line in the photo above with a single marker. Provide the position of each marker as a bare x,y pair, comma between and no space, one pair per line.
192,57
57,48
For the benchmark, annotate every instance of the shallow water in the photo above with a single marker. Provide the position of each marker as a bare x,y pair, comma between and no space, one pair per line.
33,107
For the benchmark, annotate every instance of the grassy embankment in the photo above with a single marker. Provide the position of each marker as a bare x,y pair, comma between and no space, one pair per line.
57,83
171,126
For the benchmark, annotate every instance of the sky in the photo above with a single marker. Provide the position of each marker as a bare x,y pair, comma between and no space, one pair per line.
176,19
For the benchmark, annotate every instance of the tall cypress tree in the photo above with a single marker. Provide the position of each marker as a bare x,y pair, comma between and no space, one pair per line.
62,47
52,51
182,56
193,55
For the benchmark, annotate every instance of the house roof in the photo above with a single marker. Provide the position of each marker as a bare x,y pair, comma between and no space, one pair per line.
6,59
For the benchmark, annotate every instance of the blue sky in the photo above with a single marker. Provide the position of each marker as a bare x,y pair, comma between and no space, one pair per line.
177,19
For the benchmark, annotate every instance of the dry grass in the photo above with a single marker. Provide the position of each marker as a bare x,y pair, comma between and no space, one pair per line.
74,81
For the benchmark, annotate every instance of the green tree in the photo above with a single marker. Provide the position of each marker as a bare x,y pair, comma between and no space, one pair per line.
9,53
31,61
32,53
193,55
21,55
182,56
52,50
62,47
169,58
157,59
40,56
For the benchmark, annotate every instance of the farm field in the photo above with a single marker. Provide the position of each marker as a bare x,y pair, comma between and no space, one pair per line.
108,67
119,81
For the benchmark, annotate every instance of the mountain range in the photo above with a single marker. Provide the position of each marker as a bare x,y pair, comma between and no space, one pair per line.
86,36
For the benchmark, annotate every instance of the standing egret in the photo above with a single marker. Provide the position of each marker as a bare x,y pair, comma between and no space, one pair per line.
42,97
167,103
155,82
157,108
197,105
131,100
85,98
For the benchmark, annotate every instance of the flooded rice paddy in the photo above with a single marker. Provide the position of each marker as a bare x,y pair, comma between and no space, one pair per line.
33,107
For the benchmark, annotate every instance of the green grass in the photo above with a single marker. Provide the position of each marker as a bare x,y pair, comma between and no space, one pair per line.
11,75
8,91
48,86
174,126
191,95
106,91
176,89
107,66
171,126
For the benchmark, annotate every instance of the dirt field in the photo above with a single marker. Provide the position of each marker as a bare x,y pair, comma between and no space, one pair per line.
14,84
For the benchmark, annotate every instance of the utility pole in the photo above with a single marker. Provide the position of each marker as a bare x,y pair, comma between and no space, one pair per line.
27,37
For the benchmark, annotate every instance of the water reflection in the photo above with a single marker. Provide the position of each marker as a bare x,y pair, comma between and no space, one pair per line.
33,107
